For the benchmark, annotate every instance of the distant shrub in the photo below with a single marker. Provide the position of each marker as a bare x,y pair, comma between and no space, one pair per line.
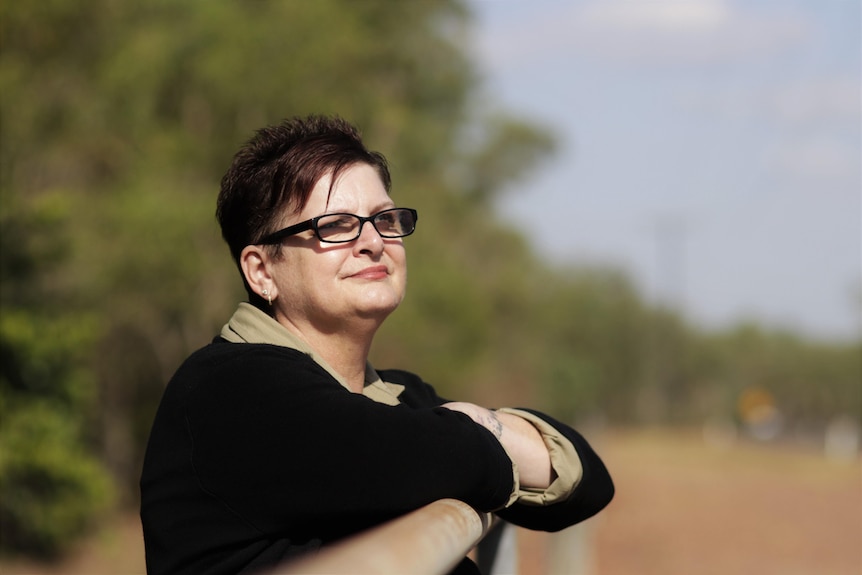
51,489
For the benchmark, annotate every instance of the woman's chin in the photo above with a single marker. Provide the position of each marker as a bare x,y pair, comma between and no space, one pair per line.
378,307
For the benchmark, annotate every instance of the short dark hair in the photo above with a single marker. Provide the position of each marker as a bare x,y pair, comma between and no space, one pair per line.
279,167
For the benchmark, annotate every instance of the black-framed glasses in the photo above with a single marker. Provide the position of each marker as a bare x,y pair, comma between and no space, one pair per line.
340,228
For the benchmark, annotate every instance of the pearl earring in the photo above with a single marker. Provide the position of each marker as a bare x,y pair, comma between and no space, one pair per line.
268,297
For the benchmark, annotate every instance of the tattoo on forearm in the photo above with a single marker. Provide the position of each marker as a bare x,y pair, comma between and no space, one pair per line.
492,423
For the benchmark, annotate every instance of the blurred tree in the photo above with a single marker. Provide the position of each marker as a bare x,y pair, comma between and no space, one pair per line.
811,382
52,483
594,326
504,152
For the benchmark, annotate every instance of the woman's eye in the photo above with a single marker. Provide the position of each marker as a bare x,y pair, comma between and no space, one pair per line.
338,223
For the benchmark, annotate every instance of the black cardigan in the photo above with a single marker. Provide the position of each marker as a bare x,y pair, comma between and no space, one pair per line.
257,454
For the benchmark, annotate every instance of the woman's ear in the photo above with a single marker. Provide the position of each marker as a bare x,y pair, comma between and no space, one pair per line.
255,264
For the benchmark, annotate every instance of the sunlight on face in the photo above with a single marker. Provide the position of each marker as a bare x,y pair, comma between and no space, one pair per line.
325,286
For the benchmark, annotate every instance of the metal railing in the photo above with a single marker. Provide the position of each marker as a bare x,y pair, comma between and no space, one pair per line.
428,541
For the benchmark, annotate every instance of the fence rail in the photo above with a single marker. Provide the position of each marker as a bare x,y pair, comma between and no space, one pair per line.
428,541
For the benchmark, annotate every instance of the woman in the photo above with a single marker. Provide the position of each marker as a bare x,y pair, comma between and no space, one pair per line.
279,437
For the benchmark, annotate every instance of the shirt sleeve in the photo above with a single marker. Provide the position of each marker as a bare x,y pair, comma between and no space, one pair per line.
564,460
285,427
583,486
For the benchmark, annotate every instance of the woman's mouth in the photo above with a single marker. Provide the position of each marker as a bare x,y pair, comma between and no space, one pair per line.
372,273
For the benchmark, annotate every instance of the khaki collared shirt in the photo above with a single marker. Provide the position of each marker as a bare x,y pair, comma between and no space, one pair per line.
250,325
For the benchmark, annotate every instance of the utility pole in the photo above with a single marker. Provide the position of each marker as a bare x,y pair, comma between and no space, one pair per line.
664,348
670,241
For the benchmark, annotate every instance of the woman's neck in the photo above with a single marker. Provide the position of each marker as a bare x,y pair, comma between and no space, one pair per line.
345,350
348,356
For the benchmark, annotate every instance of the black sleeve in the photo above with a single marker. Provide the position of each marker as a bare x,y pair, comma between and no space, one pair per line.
592,494
594,491
281,443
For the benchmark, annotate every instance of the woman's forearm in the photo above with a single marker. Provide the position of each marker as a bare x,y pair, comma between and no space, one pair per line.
519,438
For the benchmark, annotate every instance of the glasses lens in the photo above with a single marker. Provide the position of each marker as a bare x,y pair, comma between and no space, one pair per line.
338,227
395,223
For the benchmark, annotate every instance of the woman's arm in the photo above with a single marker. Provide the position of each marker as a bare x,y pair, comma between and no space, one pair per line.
574,459
519,438
275,438
592,492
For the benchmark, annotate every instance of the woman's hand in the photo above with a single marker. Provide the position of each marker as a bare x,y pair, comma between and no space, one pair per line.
520,439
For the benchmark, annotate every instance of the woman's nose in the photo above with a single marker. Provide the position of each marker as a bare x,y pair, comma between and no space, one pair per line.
369,238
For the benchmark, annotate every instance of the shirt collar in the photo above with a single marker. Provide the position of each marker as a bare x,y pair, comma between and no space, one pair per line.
251,325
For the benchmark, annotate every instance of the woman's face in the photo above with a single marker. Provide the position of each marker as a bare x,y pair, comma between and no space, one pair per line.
325,286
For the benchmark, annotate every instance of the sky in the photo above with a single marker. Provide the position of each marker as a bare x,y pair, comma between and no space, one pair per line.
708,148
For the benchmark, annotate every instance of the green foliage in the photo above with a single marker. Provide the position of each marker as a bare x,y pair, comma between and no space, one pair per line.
53,489
811,381
595,328
43,357
507,150
52,485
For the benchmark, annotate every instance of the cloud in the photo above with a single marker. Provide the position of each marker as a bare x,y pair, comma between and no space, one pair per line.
802,102
818,101
670,16
628,33
809,127
822,159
